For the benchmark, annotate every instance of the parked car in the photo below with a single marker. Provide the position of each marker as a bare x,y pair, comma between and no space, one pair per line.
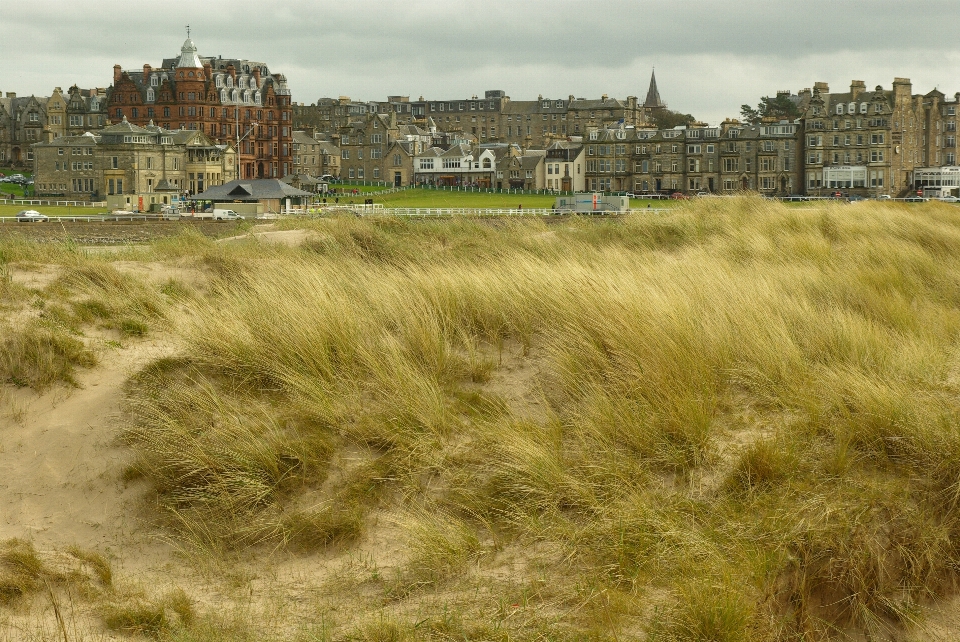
31,216
328,178
915,199
949,199
883,197
679,196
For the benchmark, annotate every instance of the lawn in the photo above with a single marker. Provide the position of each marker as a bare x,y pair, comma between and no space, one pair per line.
8,209
13,188
416,197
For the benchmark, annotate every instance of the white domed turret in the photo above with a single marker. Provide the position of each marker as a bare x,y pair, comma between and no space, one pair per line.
188,55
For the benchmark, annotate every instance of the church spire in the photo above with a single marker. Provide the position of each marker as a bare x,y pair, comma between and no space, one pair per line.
653,95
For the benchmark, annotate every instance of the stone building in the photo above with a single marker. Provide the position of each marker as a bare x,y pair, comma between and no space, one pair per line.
131,166
608,160
81,110
526,172
490,119
307,154
861,142
363,145
232,101
22,122
565,167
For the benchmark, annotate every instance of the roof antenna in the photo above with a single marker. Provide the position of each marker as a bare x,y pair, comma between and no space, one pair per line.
188,32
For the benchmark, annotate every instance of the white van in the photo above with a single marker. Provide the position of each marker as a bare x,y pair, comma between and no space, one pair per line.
226,215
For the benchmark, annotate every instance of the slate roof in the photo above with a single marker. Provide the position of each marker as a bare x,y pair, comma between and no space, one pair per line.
250,190
653,94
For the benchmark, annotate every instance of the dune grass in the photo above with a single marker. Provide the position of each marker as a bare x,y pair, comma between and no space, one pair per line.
742,422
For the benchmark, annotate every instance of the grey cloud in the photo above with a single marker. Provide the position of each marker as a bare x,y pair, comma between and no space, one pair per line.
443,48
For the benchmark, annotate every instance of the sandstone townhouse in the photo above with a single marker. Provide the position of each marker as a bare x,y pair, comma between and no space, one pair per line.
131,166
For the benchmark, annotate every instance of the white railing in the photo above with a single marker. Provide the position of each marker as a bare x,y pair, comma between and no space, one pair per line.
450,212
88,219
21,201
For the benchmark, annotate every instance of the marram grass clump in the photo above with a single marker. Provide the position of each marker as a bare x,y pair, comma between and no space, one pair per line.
734,421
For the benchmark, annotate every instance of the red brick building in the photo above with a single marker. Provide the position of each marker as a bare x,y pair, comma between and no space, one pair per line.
234,102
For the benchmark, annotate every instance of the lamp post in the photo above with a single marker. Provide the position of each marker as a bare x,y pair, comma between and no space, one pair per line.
236,113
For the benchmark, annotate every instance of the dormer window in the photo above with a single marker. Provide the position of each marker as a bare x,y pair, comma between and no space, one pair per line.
150,94
863,108
154,80
256,97
219,80
223,95
546,104
839,108
852,108
593,135
229,81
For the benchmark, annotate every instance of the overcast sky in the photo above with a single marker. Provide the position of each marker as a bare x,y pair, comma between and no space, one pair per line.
710,56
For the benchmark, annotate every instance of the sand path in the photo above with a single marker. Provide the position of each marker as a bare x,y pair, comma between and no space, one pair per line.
60,468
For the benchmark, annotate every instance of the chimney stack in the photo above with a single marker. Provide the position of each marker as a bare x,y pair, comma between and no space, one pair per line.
146,74
116,74
822,87
857,88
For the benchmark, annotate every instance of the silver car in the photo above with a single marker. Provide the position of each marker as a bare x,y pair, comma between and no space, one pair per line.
31,216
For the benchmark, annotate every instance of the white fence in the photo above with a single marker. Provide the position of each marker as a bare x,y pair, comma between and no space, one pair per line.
449,212
47,202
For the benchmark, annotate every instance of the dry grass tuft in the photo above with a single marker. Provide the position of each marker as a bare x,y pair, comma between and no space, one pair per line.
39,357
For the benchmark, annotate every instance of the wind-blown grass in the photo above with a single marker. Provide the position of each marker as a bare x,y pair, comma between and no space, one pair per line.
749,411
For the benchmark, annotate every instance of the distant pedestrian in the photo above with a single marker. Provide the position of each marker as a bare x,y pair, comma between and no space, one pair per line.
520,206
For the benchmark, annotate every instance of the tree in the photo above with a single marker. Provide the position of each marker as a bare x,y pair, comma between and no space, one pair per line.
780,108
666,119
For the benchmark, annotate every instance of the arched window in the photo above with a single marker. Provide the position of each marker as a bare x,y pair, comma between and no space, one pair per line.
863,108
236,96
840,108
487,164
253,82
219,80
852,108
